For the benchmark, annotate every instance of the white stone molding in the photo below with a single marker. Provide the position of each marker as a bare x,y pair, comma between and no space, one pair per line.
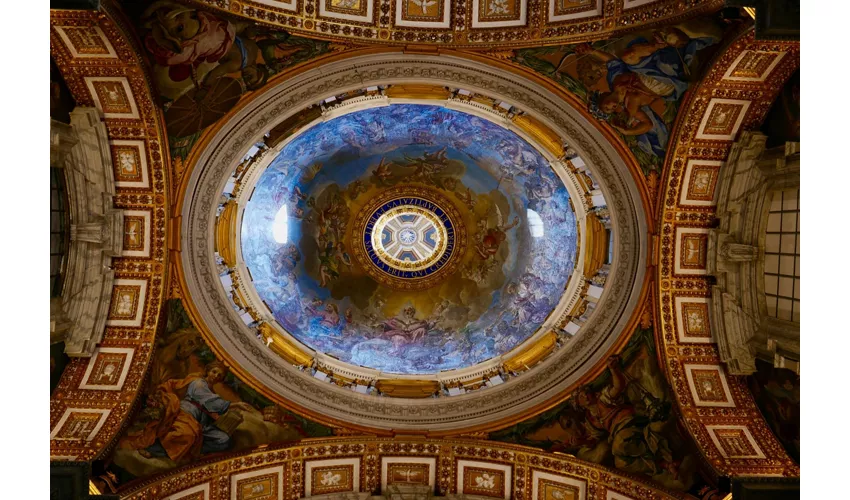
82,151
739,318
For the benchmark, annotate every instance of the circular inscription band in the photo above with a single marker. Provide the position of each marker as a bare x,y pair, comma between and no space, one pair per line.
410,238
394,228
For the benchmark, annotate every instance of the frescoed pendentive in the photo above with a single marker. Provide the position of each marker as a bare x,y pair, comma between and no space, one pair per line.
203,63
634,82
512,235
620,419
192,407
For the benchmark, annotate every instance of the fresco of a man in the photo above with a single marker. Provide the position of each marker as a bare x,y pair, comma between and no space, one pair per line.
182,428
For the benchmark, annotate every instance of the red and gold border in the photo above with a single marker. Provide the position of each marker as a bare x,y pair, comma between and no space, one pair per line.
718,411
615,18
217,476
76,66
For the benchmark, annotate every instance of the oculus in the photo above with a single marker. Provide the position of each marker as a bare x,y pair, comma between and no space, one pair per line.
409,241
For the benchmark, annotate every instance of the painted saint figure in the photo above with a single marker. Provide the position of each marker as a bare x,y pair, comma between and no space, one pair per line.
634,442
647,72
327,316
182,428
406,329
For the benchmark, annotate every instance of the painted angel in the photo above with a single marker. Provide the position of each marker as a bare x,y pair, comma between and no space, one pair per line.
493,238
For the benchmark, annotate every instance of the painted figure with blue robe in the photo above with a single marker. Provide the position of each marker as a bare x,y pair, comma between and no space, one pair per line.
647,73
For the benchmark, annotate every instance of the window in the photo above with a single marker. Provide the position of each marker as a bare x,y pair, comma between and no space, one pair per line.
280,227
59,233
535,223
782,256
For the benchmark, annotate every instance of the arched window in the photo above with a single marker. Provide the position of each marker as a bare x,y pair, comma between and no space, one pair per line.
782,256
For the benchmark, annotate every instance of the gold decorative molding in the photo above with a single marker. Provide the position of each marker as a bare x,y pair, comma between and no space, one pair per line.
596,246
541,133
283,347
405,388
448,455
414,91
225,233
534,353
592,21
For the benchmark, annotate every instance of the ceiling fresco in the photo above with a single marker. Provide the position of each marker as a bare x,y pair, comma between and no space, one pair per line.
194,406
203,63
634,82
409,238
268,321
623,419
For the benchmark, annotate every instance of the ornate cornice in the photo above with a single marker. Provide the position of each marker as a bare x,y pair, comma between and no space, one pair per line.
543,23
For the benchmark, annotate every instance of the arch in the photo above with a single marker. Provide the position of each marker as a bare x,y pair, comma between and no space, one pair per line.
717,409
85,417
363,465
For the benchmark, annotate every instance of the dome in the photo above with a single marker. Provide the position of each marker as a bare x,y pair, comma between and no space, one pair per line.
409,238
407,253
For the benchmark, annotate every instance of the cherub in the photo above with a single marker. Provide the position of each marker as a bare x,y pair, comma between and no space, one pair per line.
382,172
467,198
493,238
